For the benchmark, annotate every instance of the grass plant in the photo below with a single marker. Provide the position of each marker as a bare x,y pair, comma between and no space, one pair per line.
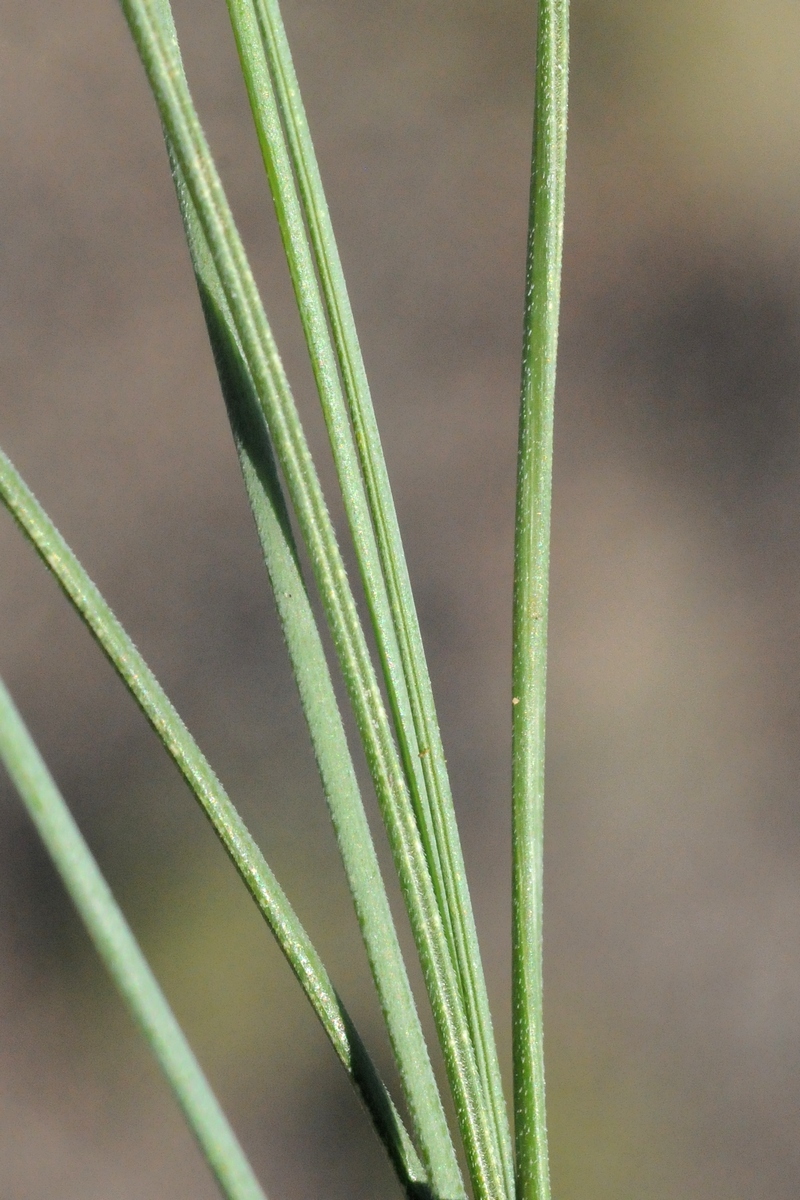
400,734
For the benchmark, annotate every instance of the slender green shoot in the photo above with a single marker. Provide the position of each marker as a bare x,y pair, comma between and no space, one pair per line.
531,570
231,830
319,702
122,956
322,297
403,746
162,64
265,104
324,721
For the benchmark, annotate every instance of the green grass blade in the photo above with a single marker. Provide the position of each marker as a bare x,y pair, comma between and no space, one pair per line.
231,830
179,118
291,163
265,100
122,956
324,721
531,570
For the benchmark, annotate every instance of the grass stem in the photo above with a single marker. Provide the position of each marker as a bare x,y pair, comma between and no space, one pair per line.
121,954
296,183
531,572
164,70
231,830
324,721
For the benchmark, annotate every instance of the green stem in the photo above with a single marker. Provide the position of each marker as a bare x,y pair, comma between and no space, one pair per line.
531,570
179,117
122,956
310,246
324,720
231,830
433,796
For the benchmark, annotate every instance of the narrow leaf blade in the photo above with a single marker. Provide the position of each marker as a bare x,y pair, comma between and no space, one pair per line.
324,720
122,956
531,572
191,149
217,806
292,167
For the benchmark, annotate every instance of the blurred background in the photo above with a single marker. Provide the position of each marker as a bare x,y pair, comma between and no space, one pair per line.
673,829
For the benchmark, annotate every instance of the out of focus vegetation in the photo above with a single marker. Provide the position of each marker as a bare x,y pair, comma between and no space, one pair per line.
673,889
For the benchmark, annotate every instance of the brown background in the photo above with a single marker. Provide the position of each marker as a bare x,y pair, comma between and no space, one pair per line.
673,859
